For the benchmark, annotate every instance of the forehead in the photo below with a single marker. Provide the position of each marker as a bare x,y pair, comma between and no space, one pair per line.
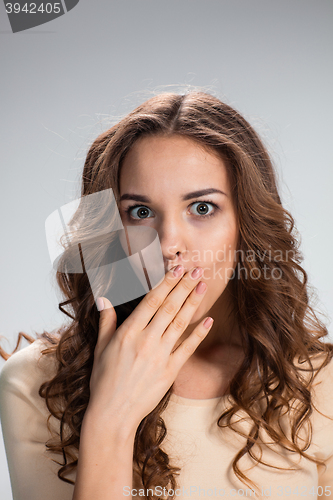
174,162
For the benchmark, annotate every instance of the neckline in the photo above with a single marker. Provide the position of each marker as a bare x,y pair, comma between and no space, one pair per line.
196,402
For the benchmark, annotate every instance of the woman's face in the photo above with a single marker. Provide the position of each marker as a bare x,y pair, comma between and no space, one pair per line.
177,187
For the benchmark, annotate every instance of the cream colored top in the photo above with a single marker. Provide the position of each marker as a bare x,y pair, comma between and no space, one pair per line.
194,442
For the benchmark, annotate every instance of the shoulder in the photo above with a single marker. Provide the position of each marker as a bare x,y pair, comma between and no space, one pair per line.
322,384
26,370
324,377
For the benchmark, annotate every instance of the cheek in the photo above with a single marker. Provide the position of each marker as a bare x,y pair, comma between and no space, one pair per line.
219,257
219,245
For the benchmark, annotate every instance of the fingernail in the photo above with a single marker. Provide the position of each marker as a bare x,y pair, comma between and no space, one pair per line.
178,271
201,287
100,304
208,322
196,272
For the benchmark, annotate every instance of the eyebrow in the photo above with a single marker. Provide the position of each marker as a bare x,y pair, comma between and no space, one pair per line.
188,196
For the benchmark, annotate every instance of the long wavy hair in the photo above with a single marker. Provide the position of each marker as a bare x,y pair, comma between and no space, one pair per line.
279,328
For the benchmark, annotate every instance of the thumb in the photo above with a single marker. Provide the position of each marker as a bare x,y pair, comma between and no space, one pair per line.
107,322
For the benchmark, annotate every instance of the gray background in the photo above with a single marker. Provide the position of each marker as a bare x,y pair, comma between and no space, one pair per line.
64,82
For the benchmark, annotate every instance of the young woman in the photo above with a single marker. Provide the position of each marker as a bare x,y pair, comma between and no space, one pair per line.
217,380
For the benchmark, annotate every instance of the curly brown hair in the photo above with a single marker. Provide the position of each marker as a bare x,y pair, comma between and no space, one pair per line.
279,328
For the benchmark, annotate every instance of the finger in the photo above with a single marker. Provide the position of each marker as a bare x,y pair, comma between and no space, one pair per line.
107,323
185,350
146,309
184,316
175,300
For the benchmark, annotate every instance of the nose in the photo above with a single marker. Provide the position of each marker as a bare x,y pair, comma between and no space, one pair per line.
173,242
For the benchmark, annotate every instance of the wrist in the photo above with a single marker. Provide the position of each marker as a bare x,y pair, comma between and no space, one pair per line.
117,427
